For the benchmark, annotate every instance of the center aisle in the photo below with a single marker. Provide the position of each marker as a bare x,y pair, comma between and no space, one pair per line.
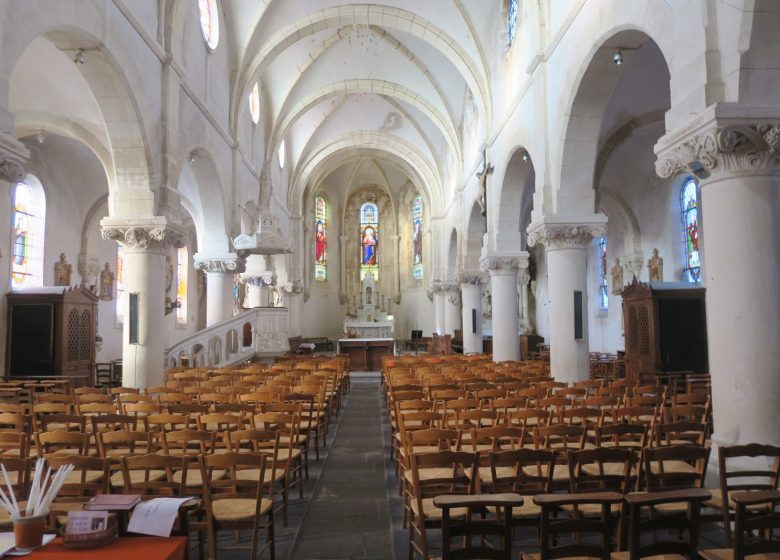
349,516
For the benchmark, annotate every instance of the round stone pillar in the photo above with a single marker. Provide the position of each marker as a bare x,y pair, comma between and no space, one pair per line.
566,246
294,303
471,308
436,294
145,242
503,285
220,273
740,235
452,312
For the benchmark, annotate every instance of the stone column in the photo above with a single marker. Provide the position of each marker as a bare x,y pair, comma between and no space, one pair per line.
396,297
471,298
294,303
435,293
566,243
523,280
145,241
257,284
220,273
738,162
503,283
343,289
452,312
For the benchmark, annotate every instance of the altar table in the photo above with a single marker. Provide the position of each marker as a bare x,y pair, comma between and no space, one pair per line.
365,354
123,548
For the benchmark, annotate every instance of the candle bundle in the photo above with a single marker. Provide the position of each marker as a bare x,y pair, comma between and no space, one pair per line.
40,497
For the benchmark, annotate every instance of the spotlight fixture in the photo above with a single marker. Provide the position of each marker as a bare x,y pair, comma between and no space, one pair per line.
525,156
617,58
41,136
192,159
79,58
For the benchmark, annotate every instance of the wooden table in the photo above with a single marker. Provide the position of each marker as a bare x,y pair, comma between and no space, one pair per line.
365,354
123,548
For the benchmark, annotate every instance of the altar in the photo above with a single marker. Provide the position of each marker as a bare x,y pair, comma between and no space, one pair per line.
370,319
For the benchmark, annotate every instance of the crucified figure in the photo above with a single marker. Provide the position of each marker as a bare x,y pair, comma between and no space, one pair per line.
482,174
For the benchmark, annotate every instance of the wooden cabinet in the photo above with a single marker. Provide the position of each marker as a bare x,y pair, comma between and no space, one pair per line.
51,333
365,354
665,328
529,344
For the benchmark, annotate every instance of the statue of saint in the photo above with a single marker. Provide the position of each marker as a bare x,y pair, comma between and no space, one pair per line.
106,283
655,267
487,168
236,294
617,277
62,271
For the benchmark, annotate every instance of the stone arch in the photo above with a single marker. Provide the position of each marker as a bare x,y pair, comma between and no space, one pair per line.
108,75
515,200
205,202
381,16
582,124
475,230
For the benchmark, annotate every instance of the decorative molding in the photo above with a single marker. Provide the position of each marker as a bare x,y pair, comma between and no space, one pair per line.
154,234
524,276
13,155
227,264
472,278
292,287
555,236
266,278
722,147
501,265
435,287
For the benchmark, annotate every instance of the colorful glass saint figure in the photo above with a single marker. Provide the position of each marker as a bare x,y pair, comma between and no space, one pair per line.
690,217
369,246
417,241
369,240
320,242
320,239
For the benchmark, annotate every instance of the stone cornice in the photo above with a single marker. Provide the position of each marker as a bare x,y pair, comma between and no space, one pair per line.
725,139
557,235
142,234
13,155
498,265
225,264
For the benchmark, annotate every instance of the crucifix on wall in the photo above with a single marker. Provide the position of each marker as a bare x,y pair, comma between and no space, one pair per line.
482,174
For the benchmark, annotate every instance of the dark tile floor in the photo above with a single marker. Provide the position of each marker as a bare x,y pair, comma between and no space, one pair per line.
351,507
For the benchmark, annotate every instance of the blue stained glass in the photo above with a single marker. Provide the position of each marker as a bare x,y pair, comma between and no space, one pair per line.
603,290
369,240
417,251
511,21
689,205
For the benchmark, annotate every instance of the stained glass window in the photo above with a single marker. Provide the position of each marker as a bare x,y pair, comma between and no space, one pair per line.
689,203
320,239
28,225
182,270
280,154
209,22
417,249
369,240
511,21
254,103
120,284
602,266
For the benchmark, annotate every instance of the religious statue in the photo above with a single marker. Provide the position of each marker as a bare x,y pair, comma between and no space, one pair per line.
368,296
655,267
236,294
62,271
487,168
617,278
168,274
106,283
369,246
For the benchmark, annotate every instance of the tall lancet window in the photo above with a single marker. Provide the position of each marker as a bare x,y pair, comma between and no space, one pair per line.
27,232
182,277
417,240
320,239
689,203
120,284
601,254
369,240
511,21
209,22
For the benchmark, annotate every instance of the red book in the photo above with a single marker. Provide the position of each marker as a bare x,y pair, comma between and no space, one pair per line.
112,502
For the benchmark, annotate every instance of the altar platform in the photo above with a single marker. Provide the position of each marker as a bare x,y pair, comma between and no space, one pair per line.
365,354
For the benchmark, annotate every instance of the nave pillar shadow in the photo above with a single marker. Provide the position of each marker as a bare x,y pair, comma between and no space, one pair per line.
503,270
735,153
146,242
566,243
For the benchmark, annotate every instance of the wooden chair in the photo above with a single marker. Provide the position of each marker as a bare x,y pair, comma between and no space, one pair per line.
650,522
502,527
456,473
234,503
189,444
555,528
18,469
744,468
757,514
289,455
14,443
61,442
141,474
116,445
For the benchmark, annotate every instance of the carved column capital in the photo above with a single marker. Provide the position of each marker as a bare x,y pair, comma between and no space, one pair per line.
265,278
292,287
470,277
13,155
225,264
452,292
500,265
142,234
435,287
724,144
566,234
